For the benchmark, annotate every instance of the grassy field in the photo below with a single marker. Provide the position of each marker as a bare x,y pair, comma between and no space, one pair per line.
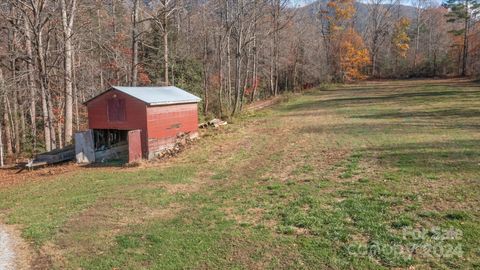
367,176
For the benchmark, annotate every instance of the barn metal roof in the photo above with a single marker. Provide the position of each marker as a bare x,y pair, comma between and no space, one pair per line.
161,95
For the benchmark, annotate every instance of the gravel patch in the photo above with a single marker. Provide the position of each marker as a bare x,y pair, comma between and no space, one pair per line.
15,254
7,255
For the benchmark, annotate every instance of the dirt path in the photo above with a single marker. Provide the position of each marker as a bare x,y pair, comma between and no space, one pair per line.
14,252
7,254
263,104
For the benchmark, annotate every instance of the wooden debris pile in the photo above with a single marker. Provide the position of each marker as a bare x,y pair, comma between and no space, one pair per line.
55,156
181,142
212,123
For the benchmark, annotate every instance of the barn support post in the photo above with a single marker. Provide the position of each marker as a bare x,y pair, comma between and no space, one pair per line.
134,145
84,147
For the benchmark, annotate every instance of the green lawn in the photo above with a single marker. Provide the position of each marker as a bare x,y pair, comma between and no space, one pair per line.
354,176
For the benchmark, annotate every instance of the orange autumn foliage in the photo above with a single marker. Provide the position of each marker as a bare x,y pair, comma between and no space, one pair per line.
143,78
343,10
400,39
347,50
353,55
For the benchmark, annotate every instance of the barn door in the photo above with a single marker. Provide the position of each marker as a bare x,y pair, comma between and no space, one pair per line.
134,145
84,147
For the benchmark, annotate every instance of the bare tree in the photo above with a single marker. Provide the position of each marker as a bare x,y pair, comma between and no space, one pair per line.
135,35
6,118
2,90
420,7
166,8
378,26
68,15
31,82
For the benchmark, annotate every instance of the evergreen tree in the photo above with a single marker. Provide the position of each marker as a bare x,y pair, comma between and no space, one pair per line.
462,12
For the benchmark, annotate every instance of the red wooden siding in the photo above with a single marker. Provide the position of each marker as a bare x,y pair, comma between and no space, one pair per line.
134,145
116,109
158,125
134,114
165,122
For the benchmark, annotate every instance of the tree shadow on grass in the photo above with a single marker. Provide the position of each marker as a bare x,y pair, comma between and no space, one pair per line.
436,118
445,155
447,113
399,149
453,156
360,129
402,84
378,98
392,128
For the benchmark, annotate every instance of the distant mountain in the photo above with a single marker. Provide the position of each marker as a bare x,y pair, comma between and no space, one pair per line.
362,13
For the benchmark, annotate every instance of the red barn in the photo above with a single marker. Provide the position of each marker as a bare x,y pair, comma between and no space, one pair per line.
144,120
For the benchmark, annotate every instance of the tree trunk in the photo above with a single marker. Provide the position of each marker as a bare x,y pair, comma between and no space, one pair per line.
254,67
417,36
60,127
1,146
8,129
228,79
51,119
276,28
374,65
23,127
115,33
75,95
67,20
295,70
465,45
134,67
205,64
46,126
165,47
100,59
220,75
15,121
229,72
245,80
238,60
14,114
43,90
31,84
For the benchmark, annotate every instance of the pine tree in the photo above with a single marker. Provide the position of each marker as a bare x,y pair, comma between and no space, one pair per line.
462,12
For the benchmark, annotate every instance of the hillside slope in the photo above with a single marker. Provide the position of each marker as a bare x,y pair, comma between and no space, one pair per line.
340,178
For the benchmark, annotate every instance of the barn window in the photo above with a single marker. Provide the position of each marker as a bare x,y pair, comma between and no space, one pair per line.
116,109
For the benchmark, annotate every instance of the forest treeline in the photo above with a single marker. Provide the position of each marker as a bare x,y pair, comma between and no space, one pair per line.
56,54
